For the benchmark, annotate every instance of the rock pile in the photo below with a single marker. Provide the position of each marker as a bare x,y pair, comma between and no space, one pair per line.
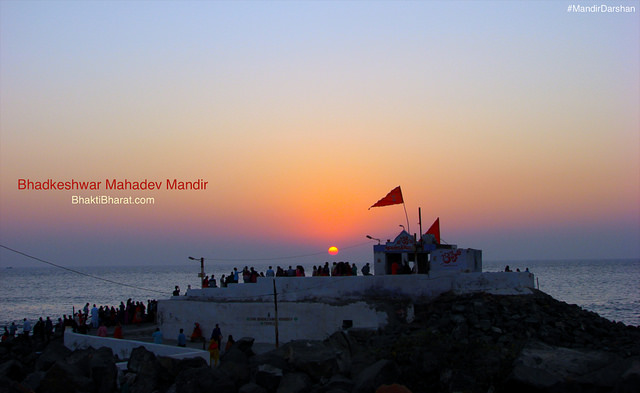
472,343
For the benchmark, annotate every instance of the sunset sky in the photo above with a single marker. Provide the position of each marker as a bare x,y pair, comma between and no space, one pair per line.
517,123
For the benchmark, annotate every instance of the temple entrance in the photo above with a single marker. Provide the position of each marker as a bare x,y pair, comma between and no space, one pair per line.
391,258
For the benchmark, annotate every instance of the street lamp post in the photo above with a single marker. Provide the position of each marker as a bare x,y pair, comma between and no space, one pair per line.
201,274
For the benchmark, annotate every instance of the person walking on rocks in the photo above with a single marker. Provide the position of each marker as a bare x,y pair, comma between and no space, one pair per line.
217,335
214,352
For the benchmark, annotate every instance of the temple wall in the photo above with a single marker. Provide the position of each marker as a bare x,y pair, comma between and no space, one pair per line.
316,307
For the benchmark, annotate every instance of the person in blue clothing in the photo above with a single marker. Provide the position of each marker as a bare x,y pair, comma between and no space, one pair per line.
157,336
182,339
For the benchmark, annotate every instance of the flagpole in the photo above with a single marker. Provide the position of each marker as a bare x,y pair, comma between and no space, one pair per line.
406,216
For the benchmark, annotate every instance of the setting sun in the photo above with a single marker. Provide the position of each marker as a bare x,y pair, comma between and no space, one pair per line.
333,250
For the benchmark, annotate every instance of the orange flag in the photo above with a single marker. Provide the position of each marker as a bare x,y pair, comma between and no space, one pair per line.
434,230
394,197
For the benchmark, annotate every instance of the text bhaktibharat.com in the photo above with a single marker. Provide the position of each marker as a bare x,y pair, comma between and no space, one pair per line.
109,200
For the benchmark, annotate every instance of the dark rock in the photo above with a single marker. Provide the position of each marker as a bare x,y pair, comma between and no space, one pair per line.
540,366
10,386
196,380
13,370
150,375
195,362
294,383
140,359
81,358
235,364
630,380
104,372
63,377
338,382
55,351
33,380
382,372
244,345
252,388
274,358
314,358
268,377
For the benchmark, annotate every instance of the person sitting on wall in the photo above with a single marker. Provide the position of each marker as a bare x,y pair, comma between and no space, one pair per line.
366,270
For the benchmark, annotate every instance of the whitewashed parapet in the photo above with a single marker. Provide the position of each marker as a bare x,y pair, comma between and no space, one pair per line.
122,348
339,289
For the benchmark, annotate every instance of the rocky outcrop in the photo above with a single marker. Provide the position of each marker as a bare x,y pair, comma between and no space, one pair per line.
471,343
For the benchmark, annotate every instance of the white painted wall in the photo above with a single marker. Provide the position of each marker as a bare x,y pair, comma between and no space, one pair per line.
123,348
315,307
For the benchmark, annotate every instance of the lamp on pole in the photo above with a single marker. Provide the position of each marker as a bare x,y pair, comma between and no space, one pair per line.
373,238
201,274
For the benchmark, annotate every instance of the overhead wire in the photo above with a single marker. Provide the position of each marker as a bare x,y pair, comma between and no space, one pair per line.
78,272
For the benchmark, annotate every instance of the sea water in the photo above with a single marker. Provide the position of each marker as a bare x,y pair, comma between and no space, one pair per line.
607,287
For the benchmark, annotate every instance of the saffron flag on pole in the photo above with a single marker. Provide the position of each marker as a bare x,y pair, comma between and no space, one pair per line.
434,230
394,197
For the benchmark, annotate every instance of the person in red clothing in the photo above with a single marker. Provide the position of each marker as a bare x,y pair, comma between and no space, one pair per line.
214,352
117,332
197,333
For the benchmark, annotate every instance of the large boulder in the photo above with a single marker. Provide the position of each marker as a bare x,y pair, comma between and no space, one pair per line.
140,360
294,383
203,379
33,380
150,375
235,364
104,371
314,358
268,377
252,388
65,377
381,372
546,368
13,369
53,352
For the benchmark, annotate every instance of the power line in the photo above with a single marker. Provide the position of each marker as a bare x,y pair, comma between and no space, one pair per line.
77,272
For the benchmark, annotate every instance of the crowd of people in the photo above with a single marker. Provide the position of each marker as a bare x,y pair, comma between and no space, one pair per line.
87,318
250,275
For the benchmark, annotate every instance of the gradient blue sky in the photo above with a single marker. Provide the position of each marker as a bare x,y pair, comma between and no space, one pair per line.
517,123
